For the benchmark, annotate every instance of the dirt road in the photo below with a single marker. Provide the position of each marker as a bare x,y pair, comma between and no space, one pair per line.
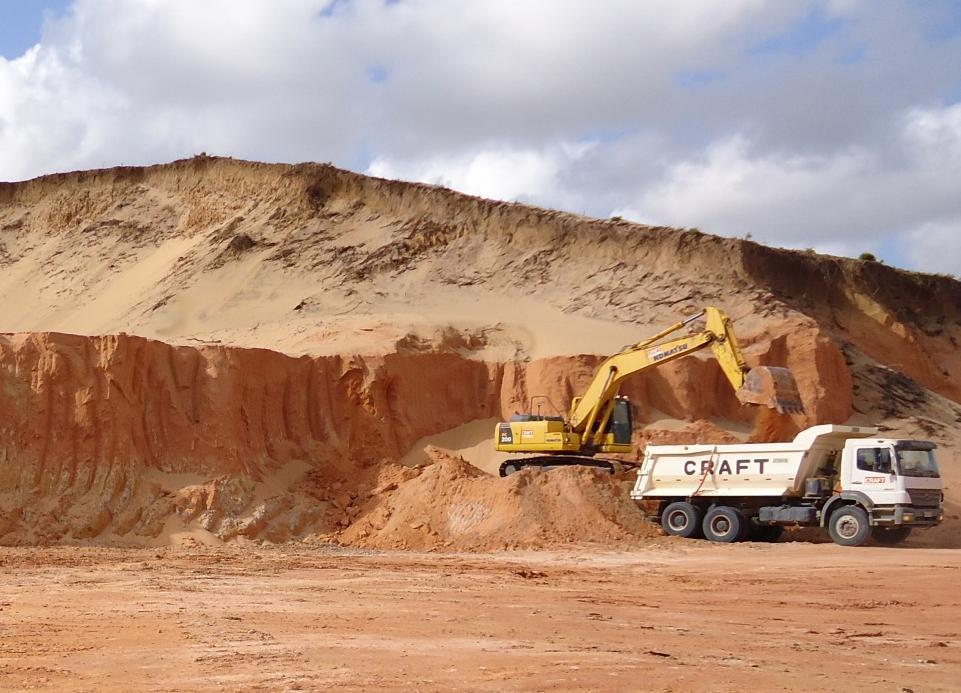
677,616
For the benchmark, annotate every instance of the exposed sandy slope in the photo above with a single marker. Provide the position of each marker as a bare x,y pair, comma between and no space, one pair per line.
326,325
314,259
680,616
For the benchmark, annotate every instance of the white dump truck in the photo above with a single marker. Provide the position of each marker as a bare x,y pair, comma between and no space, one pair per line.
842,478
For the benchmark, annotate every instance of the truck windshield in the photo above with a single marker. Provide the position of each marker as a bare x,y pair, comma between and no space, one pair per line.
917,463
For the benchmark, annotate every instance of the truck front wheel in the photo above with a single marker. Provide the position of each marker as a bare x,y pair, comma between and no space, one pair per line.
682,519
724,524
890,536
849,526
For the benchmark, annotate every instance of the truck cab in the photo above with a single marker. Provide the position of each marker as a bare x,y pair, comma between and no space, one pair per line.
898,479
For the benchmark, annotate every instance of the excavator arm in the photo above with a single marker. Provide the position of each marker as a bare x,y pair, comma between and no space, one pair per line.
773,387
599,420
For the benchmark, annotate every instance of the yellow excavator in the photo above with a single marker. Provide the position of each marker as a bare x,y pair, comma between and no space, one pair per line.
600,420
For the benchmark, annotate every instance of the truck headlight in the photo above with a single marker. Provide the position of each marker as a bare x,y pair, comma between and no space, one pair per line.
908,517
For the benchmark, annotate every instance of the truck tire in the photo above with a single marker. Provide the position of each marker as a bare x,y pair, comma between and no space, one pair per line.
682,519
768,533
889,536
724,524
848,526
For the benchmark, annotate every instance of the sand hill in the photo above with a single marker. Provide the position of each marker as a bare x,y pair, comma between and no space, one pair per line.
223,349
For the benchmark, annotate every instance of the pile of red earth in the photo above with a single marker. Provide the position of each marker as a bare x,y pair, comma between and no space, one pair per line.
452,505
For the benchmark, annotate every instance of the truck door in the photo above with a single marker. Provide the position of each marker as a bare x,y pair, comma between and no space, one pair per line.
873,472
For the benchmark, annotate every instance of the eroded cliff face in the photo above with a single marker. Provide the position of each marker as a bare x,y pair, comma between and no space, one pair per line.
94,428
120,435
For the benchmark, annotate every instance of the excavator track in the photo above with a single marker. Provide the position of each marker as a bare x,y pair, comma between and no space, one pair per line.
550,461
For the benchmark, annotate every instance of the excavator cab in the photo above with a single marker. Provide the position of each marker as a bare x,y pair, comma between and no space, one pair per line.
621,424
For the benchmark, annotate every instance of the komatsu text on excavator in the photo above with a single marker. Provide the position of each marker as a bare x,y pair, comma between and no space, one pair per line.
600,420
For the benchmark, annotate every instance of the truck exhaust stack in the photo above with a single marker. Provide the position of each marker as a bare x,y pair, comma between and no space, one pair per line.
773,387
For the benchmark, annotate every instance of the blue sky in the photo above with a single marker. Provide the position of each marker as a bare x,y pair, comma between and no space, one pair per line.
826,124
21,22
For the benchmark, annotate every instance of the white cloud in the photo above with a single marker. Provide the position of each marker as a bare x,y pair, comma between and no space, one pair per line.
846,202
503,174
935,247
138,80
734,191
935,133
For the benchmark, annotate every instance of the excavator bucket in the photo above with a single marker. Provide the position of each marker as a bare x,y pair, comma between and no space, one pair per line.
772,387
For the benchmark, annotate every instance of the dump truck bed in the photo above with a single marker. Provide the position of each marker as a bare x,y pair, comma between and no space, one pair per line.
749,469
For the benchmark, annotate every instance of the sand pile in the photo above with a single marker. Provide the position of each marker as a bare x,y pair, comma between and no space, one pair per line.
451,504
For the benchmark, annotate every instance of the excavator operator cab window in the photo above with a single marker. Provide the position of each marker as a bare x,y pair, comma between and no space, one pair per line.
621,422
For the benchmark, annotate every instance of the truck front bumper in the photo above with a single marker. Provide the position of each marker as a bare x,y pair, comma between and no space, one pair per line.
906,515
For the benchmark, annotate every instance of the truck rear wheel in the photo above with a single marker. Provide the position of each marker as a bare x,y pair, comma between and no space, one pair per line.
682,519
849,526
890,536
724,524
